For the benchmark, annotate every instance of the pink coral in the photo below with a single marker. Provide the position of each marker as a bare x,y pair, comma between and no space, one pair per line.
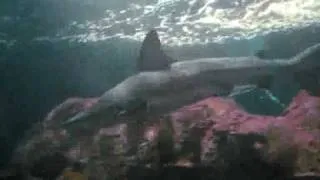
297,128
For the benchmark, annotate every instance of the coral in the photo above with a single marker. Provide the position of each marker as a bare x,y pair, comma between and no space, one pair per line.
308,160
165,142
282,150
214,137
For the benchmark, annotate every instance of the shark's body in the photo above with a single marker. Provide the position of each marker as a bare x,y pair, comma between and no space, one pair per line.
162,86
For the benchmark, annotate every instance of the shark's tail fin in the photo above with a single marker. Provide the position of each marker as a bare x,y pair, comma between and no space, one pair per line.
152,57
307,59
302,73
305,67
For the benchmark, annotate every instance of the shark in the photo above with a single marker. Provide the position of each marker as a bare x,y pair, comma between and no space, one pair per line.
163,84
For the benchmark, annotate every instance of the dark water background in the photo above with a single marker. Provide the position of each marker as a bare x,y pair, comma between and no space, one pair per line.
37,75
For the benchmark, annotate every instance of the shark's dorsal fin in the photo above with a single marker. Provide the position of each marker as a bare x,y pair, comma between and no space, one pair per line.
152,57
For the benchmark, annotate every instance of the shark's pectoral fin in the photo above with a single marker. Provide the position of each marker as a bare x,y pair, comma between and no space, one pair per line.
152,57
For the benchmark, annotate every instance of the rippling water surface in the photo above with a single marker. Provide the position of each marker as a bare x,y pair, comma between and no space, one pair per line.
178,21
196,21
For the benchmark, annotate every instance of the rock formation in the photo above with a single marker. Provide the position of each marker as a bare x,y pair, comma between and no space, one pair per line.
214,138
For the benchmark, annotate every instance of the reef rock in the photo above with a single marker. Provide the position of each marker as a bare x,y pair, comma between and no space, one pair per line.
213,138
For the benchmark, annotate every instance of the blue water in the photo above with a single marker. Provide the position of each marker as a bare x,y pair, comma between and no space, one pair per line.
37,75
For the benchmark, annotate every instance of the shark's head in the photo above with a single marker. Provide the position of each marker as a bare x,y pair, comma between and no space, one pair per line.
151,58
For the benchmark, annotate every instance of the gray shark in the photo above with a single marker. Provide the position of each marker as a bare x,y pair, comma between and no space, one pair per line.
163,85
